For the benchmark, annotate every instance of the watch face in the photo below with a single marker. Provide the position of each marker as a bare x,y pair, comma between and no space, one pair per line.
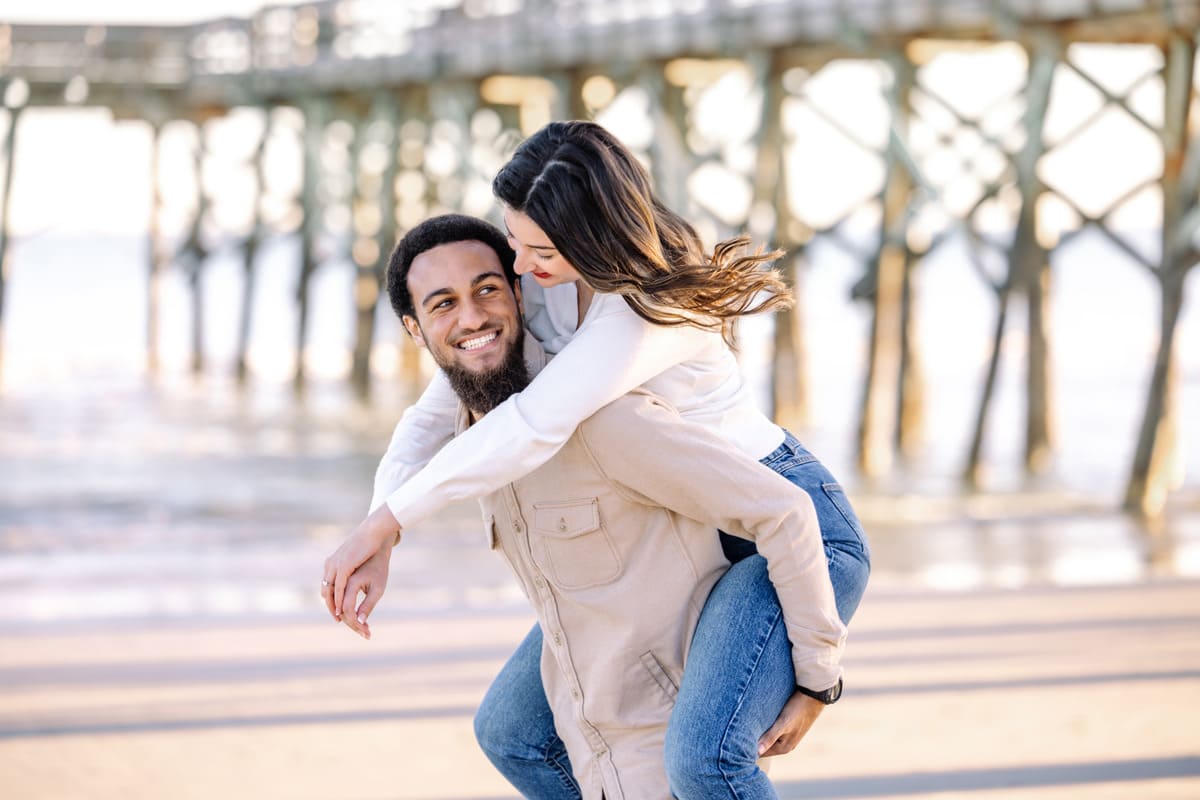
833,694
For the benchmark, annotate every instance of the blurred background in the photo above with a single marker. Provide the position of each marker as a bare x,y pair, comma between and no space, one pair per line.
990,213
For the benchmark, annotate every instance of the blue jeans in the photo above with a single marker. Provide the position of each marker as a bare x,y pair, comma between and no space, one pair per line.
738,676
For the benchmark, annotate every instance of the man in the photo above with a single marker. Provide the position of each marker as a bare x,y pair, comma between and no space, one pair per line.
614,543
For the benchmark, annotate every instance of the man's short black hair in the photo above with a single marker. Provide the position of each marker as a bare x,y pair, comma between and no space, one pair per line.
431,233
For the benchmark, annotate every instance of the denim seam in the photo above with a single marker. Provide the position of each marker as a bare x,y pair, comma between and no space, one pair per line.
568,780
855,525
787,461
564,774
761,648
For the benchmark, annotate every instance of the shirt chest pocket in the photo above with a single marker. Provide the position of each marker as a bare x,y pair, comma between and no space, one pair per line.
571,544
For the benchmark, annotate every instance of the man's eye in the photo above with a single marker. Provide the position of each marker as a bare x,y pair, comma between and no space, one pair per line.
441,305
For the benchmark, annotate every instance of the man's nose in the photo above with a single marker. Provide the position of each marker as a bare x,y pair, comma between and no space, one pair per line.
471,315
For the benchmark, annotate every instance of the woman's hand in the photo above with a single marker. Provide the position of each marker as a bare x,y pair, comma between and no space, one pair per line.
378,530
798,715
370,580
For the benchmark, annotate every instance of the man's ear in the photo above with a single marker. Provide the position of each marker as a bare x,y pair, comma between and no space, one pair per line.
414,329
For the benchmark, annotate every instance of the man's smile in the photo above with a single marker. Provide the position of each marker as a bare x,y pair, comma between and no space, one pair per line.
478,342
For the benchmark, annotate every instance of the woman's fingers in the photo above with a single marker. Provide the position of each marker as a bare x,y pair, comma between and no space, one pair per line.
327,586
343,567
346,561
356,623
373,593
341,578
372,533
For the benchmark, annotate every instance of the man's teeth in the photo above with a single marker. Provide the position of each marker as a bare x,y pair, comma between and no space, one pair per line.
477,342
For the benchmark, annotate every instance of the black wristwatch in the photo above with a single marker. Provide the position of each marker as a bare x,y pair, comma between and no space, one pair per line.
828,697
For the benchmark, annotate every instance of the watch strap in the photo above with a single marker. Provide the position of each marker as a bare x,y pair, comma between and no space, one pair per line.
828,697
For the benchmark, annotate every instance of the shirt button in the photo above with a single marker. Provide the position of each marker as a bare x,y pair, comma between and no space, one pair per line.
516,526
575,693
601,751
539,582
557,639
562,524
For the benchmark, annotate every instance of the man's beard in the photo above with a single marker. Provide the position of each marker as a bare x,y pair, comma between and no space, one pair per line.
483,391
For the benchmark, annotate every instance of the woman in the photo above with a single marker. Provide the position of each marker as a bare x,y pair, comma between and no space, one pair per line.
623,294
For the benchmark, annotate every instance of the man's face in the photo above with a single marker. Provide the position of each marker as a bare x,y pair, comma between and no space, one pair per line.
468,317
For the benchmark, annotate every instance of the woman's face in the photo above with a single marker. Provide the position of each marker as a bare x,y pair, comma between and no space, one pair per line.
536,254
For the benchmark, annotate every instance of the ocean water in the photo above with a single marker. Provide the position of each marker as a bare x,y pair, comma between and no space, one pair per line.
122,497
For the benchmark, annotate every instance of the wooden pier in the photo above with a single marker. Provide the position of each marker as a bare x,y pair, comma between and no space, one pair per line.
423,102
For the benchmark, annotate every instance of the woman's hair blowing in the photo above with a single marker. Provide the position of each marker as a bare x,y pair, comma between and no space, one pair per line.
590,195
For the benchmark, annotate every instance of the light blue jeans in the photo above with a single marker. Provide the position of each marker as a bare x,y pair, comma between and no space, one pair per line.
738,676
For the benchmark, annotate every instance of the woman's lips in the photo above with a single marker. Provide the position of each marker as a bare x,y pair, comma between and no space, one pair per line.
542,275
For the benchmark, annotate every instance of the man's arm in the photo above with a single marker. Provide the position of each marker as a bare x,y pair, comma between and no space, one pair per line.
656,457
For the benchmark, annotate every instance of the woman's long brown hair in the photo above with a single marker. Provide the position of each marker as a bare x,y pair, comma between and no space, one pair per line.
590,195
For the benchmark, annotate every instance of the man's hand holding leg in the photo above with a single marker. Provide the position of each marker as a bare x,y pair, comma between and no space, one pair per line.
798,715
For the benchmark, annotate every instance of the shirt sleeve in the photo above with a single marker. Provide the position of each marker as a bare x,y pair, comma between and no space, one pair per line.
614,352
656,457
423,429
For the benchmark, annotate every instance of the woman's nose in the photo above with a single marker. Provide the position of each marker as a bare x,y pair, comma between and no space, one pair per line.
521,262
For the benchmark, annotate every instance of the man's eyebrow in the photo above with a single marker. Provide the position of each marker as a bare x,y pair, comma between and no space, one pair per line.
483,276
478,279
434,294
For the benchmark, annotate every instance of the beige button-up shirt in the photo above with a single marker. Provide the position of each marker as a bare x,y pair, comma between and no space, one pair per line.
614,542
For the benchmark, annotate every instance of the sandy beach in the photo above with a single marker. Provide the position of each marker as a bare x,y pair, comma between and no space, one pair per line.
1035,693
161,634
